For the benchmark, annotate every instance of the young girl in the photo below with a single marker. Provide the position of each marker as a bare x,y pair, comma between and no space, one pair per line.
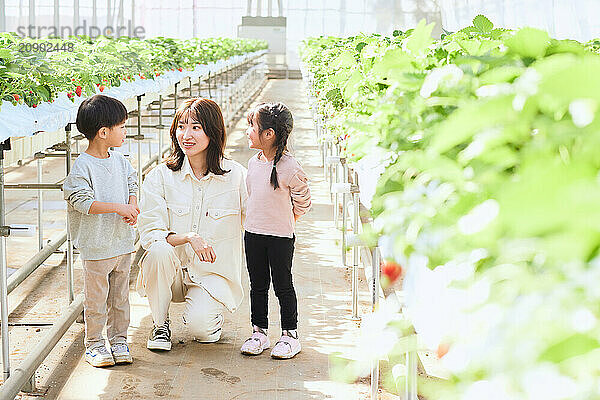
278,196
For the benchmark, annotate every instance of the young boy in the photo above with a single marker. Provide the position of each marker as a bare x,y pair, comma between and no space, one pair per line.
101,200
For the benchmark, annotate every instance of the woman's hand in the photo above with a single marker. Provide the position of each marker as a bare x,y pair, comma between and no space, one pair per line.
205,252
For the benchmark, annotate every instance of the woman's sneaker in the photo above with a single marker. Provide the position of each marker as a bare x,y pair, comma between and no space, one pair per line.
99,356
121,354
287,347
257,343
160,337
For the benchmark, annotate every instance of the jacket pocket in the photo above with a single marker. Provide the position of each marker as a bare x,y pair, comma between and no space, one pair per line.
218,213
179,217
224,223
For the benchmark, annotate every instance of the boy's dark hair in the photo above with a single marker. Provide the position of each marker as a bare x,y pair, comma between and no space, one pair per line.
97,112
279,118
208,114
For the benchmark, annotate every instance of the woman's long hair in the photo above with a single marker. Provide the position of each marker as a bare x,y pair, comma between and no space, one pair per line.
208,114
278,117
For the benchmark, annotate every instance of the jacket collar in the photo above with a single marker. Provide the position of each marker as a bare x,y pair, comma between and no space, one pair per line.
186,169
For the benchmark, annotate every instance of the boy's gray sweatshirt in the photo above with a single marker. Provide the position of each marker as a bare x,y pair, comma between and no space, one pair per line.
112,180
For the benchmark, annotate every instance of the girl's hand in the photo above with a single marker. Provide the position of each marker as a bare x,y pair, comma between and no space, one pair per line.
296,217
205,252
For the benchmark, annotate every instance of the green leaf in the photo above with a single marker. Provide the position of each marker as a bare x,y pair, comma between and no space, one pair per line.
333,95
393,64
344,60
529,42
420,39
352,84
44,92
572,346
6,54
483,24
360,46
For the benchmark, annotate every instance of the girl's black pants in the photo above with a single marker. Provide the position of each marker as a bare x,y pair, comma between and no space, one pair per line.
270,258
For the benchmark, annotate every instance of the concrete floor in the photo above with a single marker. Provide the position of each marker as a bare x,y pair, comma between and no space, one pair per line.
192,370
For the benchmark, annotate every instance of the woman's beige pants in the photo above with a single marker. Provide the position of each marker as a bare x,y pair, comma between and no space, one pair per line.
165,280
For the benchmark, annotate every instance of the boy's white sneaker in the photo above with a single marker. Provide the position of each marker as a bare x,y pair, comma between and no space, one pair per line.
99,356
287,347
256,344
121,354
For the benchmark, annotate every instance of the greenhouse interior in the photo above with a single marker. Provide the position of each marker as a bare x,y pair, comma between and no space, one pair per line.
416,180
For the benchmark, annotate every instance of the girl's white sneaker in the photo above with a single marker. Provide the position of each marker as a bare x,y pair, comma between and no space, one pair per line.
286,347
256,344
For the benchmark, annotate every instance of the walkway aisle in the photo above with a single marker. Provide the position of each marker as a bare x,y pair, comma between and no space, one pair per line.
218,371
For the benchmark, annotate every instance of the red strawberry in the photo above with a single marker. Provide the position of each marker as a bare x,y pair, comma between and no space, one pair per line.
101,87
391,270
442,349
180,69
73,79
16,97
34,105
70,94
78,91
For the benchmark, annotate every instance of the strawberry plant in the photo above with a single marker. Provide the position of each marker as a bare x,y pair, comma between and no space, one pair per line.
489,199
37,76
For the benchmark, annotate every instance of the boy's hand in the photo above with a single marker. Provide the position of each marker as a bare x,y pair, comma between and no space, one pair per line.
201,248
129,212
131,222
133,202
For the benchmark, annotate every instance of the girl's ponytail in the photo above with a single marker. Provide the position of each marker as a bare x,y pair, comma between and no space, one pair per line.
279,118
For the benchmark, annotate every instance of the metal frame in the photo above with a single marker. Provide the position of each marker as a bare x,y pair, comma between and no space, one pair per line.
332,161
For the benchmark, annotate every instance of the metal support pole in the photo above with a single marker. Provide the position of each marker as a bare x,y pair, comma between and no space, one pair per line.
70,288
191,93
411,370
330,174
139,145
3,271
375,304
160,130
40,203
355,226
344,212
175,96
336,208
208,83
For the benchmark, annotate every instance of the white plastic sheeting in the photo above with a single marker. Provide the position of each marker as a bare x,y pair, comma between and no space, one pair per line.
575,19
21,120
563,19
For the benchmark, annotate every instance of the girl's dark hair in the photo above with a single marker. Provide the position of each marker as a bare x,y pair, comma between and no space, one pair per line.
208,114
98,112
279,118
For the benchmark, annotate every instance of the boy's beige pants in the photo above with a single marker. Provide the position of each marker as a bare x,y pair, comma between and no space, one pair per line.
106,290
164,281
